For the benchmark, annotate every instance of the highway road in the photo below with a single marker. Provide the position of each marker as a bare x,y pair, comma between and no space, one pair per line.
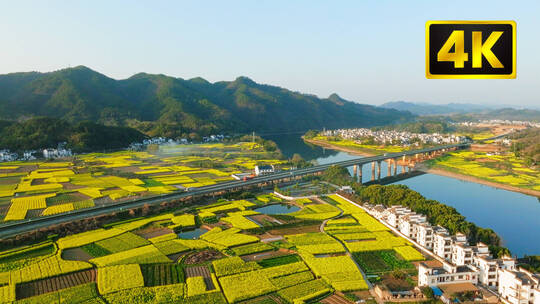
13,229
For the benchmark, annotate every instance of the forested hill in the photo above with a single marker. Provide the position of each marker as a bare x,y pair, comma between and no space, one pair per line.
163,105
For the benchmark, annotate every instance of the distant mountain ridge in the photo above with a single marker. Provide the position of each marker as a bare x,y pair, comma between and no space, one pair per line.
169,106
466,111
433,109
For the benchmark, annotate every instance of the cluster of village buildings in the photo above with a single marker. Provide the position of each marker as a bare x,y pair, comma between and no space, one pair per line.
169,141
458,262
61,151
496,122
395,137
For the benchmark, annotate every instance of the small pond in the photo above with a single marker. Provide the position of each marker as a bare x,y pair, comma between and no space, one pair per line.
192,234
277,209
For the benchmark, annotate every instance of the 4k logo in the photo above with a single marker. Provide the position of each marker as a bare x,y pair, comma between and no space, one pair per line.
471,49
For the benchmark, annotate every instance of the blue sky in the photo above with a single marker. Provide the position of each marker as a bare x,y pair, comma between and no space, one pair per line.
366,51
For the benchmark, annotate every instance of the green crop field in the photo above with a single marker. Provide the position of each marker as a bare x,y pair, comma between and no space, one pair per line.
41,188
132,267
504,169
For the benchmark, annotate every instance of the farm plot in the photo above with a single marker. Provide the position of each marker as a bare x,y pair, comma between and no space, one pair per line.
228,238
162,274
315,243
305,291
250,284
409,253
122,242
316,212
140,255
251,248
103,175
86,293
115,278
380,261
339,271
35,288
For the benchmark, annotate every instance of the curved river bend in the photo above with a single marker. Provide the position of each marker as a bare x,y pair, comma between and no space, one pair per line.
514,216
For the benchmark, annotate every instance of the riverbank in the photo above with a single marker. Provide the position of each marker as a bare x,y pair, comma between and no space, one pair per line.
437,171
325,144
477,180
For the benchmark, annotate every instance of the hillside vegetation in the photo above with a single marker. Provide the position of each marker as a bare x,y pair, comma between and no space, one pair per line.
526,145
44,132
174,107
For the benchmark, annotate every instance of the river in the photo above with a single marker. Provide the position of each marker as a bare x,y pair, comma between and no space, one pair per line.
515,217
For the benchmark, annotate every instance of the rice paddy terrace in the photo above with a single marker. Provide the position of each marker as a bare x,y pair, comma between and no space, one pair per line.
324,249
30,189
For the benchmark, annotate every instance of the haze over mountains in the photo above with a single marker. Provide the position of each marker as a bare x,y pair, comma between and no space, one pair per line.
168,106
422,108
467,111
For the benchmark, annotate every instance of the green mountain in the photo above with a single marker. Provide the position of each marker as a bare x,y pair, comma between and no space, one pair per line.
163,105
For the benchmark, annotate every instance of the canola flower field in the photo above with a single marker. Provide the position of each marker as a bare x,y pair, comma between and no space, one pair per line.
372,149
133,264
40,188
504,169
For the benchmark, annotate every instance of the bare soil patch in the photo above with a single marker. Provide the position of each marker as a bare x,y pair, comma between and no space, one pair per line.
76,254
201,271
335,299
151,232
486,148
395,284
35,288
175,257
203,256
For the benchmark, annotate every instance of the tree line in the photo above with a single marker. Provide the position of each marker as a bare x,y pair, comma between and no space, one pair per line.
437,213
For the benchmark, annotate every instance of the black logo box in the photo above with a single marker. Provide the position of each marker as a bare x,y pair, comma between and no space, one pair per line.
503,49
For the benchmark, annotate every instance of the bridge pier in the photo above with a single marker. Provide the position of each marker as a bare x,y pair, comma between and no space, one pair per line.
354,171
379,170
389,168
360,173
372,171
395,160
